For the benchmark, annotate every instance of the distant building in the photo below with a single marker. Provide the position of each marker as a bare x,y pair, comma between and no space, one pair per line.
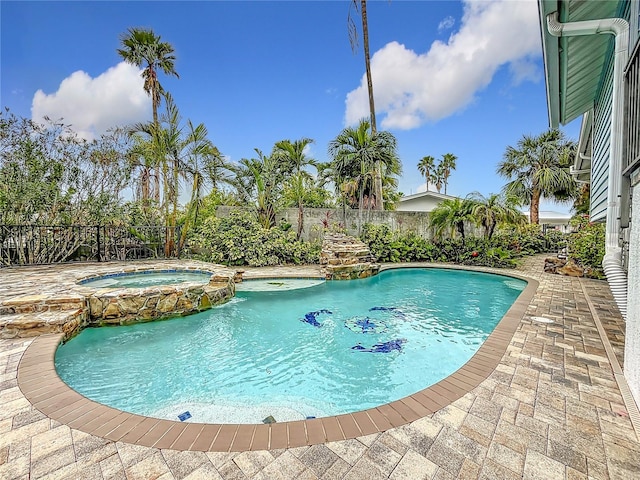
553,220
427,201
422,202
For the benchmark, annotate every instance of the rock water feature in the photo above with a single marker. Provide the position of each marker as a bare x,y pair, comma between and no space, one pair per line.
346,258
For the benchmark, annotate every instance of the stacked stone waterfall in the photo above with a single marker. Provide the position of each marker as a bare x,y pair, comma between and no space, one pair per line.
346,258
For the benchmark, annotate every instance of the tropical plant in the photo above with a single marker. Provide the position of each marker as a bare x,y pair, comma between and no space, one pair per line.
185,154
293,155
581,204
539,168
586,246
451,214
242,240
144,49
438,177
447,164
353,39
426,167
489,212
354,154
260,179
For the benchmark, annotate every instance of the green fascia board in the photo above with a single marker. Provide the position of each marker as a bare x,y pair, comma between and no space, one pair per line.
574,66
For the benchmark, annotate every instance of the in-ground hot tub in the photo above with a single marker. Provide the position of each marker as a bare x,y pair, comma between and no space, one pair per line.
144,295
147,278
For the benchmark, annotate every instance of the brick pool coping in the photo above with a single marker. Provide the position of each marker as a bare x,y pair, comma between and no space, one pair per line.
41,385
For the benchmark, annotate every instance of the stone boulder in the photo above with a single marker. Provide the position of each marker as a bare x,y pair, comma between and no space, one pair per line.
571,269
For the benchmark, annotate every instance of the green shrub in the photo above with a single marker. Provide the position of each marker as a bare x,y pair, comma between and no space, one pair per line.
586,246
556,240
240,240
389,246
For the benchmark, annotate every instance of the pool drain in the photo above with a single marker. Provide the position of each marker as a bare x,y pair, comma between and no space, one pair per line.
542,319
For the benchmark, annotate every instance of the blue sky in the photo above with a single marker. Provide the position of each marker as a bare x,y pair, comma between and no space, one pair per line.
449,77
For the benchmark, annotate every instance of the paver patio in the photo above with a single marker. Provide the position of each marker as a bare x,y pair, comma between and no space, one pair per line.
552,408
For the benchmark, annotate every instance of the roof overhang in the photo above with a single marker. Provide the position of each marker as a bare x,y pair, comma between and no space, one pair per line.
574,66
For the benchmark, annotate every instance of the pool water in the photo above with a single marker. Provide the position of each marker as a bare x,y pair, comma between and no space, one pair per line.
150,278
333,348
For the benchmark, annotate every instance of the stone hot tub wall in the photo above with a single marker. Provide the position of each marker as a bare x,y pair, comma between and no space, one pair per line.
131,305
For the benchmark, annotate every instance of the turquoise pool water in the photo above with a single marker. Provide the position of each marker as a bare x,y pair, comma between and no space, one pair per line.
150,278
329,349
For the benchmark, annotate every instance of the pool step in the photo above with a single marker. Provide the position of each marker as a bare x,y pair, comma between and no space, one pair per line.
36,323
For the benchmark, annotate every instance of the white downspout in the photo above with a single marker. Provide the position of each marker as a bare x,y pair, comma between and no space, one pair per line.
619,28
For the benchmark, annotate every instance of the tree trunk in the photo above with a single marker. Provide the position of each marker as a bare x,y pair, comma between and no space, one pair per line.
300,219
534,213
377,182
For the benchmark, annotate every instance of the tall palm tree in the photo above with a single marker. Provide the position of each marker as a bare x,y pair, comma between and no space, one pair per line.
353,39
451,214
539,168
293,155
143,48
448,164
426,167
494,210
438,177
354,154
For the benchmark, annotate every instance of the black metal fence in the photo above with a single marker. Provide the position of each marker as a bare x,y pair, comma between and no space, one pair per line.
44,244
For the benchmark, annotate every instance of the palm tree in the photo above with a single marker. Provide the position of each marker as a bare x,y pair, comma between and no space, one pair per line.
537,168
353,39
143,48
491,211
438,177
448,164
182,156
259,177
354,154
451,214
426,167
292,154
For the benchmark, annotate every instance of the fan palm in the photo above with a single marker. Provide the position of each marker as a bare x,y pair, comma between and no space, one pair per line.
143,48
447,163
492,211
426,167
537,168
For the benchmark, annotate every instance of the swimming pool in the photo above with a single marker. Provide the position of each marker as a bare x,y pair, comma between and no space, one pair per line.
147,278
334,348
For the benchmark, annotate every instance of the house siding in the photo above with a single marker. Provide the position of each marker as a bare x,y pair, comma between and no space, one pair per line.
601,143
632,334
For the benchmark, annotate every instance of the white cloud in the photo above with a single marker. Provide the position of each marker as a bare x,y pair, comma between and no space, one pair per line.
93,105
413,88
446,24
